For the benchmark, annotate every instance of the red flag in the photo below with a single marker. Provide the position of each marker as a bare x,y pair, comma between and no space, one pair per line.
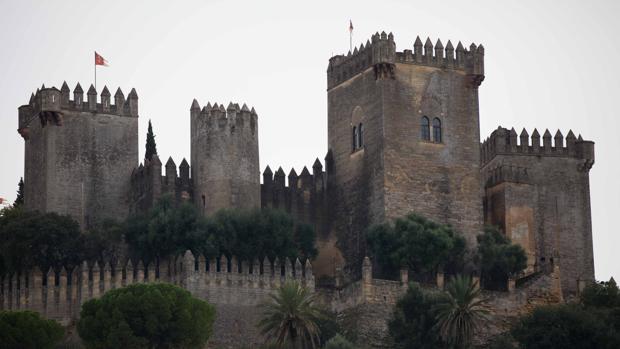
350,26
100,60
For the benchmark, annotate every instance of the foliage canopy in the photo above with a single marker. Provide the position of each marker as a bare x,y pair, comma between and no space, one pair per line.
412,325
422,245
498,258
27,330
146,316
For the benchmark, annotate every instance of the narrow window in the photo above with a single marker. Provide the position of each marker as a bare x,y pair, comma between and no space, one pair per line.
425,129
204,202
360,135
354,138
437,130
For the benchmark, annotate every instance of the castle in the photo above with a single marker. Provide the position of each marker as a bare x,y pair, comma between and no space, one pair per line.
403,135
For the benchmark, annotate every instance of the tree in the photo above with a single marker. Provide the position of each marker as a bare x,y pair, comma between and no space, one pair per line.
290,317
151,147
565,326
27,330
170,229
339,342
498,258
604,294
45,240
19,200
461,314
422,245
146,316
166,230
412,325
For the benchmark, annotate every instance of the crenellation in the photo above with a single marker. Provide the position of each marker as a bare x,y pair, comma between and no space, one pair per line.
381,52
503,142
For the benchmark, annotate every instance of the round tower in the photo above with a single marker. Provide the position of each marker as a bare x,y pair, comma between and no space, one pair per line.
224,156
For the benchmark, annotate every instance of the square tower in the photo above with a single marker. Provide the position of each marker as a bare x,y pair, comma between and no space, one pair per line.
79,154
403,136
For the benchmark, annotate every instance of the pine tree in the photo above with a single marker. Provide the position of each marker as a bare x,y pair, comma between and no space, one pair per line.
151,147
20,193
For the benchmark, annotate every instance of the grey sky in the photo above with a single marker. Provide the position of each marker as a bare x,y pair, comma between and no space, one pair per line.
548,64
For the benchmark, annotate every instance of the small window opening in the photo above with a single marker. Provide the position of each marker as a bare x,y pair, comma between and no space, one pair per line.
360,136
436,130
425,129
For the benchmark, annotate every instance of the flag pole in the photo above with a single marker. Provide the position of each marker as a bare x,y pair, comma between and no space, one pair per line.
95,71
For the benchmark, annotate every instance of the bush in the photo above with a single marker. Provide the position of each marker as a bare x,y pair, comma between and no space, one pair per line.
413,322
26,329
339,342
422,245
498,258
146,316
565,326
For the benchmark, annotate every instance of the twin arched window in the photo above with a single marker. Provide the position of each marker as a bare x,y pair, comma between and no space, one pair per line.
358,137
425,129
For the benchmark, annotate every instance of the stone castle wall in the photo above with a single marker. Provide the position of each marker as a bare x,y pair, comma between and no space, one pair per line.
79,154
234,288
224,157
539,195
383,94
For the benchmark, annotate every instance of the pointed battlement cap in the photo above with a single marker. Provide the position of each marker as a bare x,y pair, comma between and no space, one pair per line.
170,163
184,164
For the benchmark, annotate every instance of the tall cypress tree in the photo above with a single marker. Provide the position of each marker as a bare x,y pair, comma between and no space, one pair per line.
20,193
151,147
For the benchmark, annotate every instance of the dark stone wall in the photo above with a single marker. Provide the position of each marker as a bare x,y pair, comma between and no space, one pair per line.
356,179
545,195
79,161
439,180
224,158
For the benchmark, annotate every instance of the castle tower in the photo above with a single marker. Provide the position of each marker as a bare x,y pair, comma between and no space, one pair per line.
539,196
224,157
403,131
79,154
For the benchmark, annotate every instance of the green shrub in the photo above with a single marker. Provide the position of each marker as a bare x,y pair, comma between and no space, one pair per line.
498,258
146,316
339,342
26,330
422,245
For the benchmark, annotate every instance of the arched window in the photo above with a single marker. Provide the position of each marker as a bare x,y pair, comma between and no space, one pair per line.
360,136
425,129
354,138
436,130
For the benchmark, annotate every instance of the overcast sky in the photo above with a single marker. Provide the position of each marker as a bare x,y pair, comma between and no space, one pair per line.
548,64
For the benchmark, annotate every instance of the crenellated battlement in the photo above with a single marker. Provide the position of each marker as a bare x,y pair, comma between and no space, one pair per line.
218,117
303,196
58,294
380,54
506,142
51,104
148,184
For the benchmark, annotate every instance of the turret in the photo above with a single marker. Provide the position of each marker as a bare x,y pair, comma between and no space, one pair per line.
224,151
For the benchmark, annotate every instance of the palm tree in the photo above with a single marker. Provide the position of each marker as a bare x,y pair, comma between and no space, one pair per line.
461,313
290,317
